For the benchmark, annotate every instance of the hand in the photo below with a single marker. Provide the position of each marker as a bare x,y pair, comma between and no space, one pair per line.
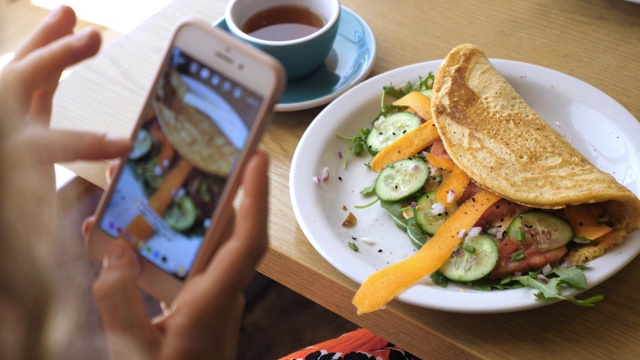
204,321
27,85
27,144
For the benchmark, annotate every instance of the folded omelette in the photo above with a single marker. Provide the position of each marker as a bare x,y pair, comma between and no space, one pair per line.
494,136
510,152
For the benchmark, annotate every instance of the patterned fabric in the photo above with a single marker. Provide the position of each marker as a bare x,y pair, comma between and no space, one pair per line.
360,344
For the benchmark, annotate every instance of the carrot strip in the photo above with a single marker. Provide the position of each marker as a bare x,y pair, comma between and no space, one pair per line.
441,163
457,182
166,155
139,228
166,151
418,102
585,222
381,287
406,146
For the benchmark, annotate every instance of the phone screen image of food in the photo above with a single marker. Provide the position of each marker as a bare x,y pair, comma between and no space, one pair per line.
182,156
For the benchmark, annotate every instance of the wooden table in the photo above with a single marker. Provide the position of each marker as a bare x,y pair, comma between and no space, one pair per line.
597,41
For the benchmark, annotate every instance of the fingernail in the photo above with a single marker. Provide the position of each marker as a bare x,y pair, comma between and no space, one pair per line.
55,12
111,138
83,35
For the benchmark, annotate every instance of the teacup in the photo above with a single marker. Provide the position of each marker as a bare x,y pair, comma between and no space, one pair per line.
299,33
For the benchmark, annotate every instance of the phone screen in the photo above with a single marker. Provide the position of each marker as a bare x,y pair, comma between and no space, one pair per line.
184,152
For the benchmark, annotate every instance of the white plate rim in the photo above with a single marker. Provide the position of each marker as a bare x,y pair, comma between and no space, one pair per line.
310,157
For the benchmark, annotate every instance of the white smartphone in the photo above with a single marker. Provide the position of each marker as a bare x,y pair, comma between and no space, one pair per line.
172,194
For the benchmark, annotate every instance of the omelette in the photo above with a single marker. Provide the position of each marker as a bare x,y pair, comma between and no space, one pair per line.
495,137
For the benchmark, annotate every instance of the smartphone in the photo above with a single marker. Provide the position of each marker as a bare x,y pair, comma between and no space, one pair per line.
203,117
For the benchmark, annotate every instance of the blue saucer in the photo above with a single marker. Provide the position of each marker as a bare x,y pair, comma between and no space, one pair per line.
350,62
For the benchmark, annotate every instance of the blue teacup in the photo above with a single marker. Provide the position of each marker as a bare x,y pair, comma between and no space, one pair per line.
299,33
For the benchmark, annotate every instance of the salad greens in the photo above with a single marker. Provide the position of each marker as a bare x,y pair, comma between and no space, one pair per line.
357,144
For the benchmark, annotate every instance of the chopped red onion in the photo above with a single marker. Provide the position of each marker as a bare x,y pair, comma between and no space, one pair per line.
414,167
377,122
340,154
367,241
476,230
325,174
323,178
543,278
437,209
546,270
450,195
461,233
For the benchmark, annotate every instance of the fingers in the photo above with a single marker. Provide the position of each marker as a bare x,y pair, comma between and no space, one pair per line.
35,70
118,298
58,23
54,146
233,265
255,206
38,72
239,256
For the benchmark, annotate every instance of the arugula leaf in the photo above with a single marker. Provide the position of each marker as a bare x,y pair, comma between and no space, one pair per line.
421,85
367,205
573,276
439,279
551,286
390,109
369,190
357,144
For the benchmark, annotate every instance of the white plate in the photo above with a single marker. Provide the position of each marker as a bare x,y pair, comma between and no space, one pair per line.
593,122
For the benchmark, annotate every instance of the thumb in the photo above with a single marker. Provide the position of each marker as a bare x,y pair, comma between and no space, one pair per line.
119,301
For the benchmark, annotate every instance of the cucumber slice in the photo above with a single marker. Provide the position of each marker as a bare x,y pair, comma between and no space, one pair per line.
389,129
182,214
427,220
152,174
141,145
475,259
401,179
544,230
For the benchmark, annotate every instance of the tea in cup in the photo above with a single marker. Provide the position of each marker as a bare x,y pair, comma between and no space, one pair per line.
299,33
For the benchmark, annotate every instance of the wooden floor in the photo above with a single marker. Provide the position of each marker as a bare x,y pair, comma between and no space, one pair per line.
277,320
